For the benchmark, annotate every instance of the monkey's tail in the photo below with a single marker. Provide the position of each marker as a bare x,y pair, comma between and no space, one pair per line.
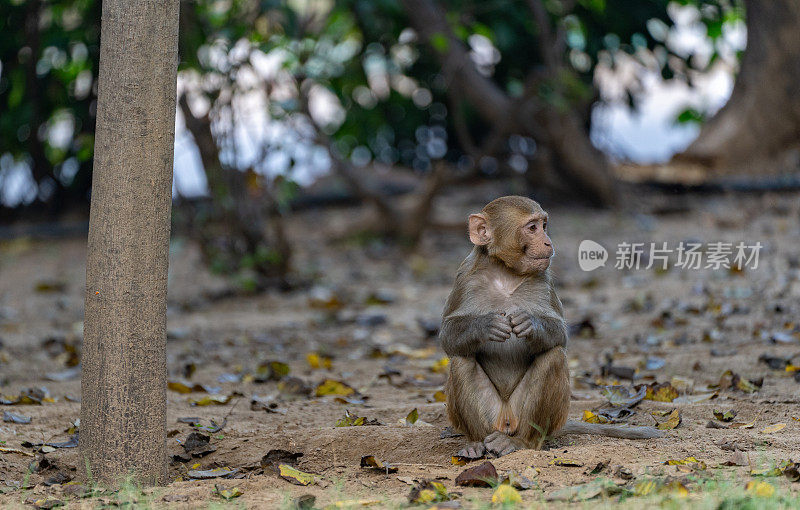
597,429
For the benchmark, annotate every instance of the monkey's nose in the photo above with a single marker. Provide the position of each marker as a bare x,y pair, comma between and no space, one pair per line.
548,244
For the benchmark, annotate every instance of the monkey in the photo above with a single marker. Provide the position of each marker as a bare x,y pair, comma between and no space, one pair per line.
503,327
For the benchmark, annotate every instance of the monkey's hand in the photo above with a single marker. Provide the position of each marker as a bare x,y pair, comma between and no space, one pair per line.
542,332
497,326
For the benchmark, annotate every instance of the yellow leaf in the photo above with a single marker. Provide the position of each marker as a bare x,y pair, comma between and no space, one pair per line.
672,421
441,365
179,387
458,461
645,487
688,461
559,461
316,361
3,449
234,492
295,476
661,392
760,489
350,503
412,417
208,400
332,387
506,494
792,368
774,428
590,417
440,396
678,489
740,425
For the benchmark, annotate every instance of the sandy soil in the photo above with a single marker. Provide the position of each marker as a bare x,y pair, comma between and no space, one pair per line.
699,322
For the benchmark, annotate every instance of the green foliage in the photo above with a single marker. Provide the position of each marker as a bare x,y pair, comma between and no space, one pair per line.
393,98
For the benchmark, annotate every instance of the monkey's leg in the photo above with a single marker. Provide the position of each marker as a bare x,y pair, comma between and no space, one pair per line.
473,403
540,401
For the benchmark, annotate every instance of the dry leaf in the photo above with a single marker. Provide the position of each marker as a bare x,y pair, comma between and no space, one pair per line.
560,461
774,428
741,425
440,396
590,417
295,476
506,494
672,421
482,475
760,489
332,387
317,361
370,461
208,400
727,415
428,492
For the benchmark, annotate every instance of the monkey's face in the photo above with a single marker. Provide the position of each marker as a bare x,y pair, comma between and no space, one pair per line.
536,246
514,231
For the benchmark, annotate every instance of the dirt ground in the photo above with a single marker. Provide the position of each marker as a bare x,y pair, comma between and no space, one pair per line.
368,308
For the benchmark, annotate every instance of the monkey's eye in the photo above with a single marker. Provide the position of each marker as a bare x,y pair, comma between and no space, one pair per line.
544,226
533,227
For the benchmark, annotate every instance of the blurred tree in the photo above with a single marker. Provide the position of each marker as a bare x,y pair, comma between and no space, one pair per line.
48,69
758,130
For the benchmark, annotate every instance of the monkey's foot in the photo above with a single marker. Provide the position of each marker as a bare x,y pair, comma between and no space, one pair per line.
472,451
499,444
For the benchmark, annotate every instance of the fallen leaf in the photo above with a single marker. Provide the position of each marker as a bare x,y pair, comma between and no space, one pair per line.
295,476
506,494
228,494
741,425
369,461
698,465
482,475
590,417
727,415
774,428
19,419
317,361
4,449
428,492
206,474
760,489
739,458
560,461
351,420
663,392
184,387
412,417
518,481
672,421
440,396
208,400
621,396
332,387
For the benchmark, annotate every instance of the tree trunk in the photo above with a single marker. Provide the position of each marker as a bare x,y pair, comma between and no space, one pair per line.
758,130
123,414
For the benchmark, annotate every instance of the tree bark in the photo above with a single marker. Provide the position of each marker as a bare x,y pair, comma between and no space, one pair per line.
758,130
123,411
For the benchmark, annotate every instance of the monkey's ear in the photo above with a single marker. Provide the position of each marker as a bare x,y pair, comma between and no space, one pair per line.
479,232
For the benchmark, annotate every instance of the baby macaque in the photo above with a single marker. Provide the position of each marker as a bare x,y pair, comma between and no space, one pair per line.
503,327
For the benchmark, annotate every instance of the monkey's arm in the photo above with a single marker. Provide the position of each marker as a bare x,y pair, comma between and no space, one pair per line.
543,332
462,335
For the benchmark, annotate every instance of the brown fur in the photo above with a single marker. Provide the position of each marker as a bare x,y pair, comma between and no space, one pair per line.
503,326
